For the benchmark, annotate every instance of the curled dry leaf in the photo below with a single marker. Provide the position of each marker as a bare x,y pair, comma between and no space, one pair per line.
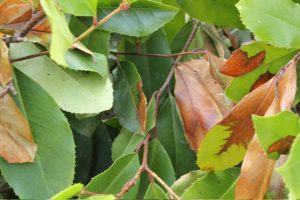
262,80
225,144
257,168
239,63
5,67
16,143
200,98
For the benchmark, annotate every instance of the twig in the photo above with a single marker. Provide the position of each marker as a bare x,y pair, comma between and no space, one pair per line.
30,56
170,191
19,37
160,55
122,7
8,88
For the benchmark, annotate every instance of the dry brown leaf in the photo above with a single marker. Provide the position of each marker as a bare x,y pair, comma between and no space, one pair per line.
257,168
200,98
5,67
239,63
16,11
16,144
142,107
261,80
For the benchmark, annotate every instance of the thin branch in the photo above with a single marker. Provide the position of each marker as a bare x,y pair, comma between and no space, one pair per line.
122,7
30,56
170,191
19,37
161,55
7,89
143,167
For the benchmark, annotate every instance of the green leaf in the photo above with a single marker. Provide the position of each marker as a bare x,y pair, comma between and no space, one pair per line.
160,163
84,157
151,118
275,58
73,91
213,186
219,12
125,143
53,169
86,126
142,19
155,192
102,144
113,179
80,61
272,129
181,37
290,170
97,41
127,96
153,70
61,37
69,192
278,27
186,181
171,135
80,7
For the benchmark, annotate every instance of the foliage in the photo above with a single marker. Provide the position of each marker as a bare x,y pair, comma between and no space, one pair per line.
149,99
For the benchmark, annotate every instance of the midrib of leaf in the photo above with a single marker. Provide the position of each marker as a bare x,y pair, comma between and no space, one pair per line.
260,12
119,174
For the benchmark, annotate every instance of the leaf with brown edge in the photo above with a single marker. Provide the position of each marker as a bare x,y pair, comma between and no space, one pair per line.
282,146
142,107
5,67
16,143
200,99
257,168
225,144
239,63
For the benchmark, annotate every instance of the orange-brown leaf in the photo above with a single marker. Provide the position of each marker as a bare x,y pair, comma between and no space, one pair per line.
14,11
261,80
257,169
239,63
282,146
200,98
5,67
142,109
16,143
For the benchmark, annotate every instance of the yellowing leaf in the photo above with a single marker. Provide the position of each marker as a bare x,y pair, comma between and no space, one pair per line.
5,67
200,98
16,142
225,144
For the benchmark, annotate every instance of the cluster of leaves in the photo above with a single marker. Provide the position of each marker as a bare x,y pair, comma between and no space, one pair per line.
149,99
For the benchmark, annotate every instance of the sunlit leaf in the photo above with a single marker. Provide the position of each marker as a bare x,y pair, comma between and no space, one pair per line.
5,67
68,192
80,8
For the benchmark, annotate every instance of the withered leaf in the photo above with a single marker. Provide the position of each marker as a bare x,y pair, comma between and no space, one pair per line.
261,80
239,63
257,168
16,11
16,143
200,98
5,67
225,144
282,146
